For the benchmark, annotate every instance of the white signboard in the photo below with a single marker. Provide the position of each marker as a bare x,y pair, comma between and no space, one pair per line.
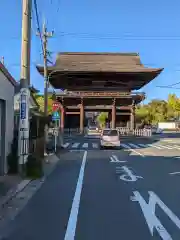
24,125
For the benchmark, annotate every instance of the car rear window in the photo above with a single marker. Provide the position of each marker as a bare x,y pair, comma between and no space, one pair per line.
110,133
92,128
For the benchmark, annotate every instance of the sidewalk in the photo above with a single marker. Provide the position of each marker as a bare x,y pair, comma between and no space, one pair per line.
8,182
10,186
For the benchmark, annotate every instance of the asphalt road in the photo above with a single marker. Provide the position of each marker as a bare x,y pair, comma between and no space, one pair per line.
131,193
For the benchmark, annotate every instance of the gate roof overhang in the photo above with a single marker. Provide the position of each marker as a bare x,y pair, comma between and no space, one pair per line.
95,71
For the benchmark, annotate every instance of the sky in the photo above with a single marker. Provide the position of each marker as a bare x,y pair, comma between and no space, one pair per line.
150,28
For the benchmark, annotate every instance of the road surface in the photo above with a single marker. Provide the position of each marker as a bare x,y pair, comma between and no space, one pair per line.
131,193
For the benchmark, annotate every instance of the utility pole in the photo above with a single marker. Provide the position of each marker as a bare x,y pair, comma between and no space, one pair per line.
23,143
45,36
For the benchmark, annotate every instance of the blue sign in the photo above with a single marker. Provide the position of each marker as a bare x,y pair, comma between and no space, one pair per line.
55,116
23,110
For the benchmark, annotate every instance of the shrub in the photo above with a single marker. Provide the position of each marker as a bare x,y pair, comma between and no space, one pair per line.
12,158
34,167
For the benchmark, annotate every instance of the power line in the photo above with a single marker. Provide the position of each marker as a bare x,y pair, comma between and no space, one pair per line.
112,36
38,24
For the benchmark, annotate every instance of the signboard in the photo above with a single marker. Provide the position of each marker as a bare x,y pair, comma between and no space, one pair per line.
55,116
56,106
24,104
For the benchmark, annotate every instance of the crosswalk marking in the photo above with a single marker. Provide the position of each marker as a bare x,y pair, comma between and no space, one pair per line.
143,145
129,146
163,146
95,145
125,146
66,145
85,145
134,145
75,145
155,146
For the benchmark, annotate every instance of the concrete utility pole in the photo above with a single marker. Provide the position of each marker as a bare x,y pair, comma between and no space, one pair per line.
45,36
23,145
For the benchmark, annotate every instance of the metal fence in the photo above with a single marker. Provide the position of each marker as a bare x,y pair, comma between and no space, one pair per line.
136,132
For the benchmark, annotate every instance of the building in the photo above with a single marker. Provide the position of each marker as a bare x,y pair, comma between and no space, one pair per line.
106,82
7,89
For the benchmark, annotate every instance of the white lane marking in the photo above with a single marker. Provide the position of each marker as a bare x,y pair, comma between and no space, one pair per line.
95,145
130,149
72,222
125,146
115,159
174,173
155,146
66,145
85,145
176,147
143,145
75,145
134,145
148,210
163,146
128,176
142,155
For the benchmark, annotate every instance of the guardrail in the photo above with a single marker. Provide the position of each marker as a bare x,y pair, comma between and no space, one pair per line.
136,132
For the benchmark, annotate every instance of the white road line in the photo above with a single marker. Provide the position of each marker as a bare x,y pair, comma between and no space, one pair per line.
66,145
114,158
134,145
125,146
129,148
75,145
163,146
142,155
155,146
176,147
85,145
95,145
72,222
143,145
174,173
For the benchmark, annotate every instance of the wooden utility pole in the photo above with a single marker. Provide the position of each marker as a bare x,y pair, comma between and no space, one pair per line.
45,36
23,143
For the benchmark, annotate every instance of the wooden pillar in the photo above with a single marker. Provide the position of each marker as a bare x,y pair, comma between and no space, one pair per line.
132,116
82,117
62,119
113,124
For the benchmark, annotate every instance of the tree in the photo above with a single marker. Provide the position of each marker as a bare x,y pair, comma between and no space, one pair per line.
101,118
173,103
40,101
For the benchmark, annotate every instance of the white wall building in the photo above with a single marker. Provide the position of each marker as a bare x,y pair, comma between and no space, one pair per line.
7,88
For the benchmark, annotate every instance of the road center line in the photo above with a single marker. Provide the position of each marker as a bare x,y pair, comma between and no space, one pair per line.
72,222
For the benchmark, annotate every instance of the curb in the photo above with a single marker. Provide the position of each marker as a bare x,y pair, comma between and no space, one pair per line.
23,184
13,192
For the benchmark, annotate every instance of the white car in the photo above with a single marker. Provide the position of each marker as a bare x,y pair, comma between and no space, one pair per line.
92,131
109,138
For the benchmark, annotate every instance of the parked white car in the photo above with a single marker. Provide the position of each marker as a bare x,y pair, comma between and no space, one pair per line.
109,138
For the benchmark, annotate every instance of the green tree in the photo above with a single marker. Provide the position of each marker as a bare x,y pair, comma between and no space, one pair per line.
173,103
40,101
102,118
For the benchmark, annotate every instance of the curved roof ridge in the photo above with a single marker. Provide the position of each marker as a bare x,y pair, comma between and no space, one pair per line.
99,53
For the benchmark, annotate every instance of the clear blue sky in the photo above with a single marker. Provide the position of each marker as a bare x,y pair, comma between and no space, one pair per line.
148,27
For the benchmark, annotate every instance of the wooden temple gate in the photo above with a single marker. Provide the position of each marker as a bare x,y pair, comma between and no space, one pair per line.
77,103
93,80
